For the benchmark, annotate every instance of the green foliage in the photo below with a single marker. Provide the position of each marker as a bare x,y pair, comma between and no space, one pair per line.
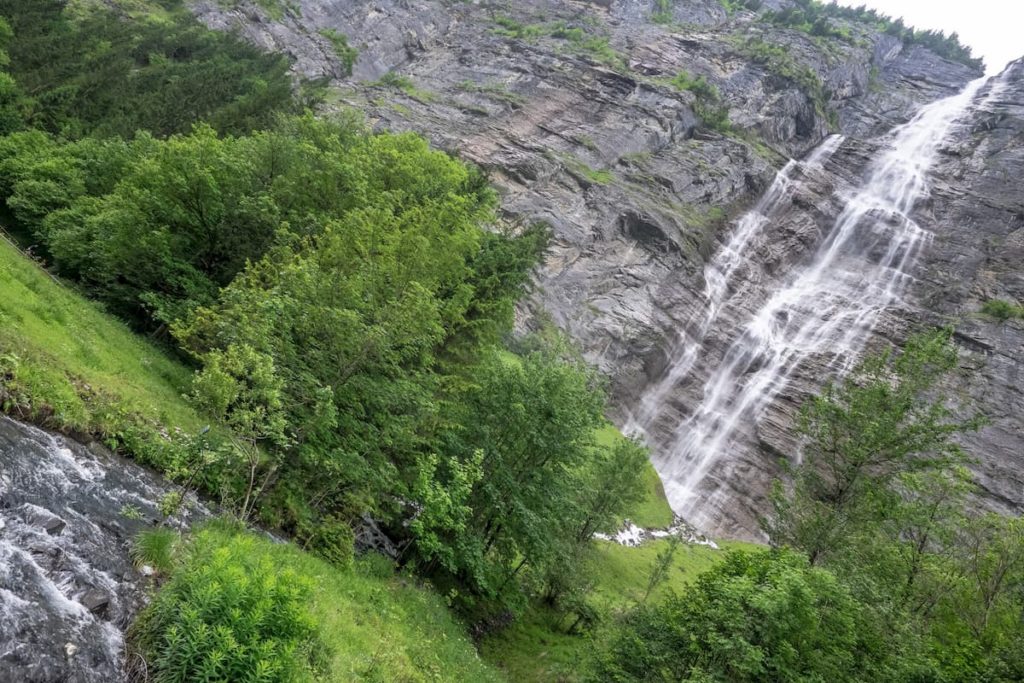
496,91
580,41
871,440
539,486
510,28
155,228
708,104
1002,310
662,12
778,60
754,617
225,615
542,646
309,620
815,18
67,365
590,176
882,499
332,539
662,564
346,55
733,6
274,8
156,548
405,84
87,71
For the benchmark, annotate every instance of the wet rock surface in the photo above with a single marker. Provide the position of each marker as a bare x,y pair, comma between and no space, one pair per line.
68,587
977,217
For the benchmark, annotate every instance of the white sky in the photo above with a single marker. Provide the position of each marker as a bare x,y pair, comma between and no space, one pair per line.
993,28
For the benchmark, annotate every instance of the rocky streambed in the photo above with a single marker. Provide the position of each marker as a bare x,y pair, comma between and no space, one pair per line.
68,587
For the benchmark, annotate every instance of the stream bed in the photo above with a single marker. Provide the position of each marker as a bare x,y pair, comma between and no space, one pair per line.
68,587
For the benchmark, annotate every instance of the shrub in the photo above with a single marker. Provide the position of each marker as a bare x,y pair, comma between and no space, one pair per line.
762,616
225,616
346,55
332,539
1002,310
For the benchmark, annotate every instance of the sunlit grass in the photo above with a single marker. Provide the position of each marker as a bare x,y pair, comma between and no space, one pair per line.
64,351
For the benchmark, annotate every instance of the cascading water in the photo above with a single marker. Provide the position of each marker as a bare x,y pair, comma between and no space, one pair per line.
719,272
825,309
67,585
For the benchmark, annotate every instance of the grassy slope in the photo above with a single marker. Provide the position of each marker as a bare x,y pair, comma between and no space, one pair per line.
380,628
67,350
653,511
537,648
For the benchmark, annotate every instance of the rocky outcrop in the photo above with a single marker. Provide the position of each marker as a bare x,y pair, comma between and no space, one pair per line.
569,106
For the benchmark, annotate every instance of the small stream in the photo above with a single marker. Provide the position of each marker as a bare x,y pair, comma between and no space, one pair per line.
68,588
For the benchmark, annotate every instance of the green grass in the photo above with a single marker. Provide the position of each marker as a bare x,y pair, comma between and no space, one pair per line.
537,648
405,84
1002,310
72,363
586,173
621,573
653,511
578,41
376,626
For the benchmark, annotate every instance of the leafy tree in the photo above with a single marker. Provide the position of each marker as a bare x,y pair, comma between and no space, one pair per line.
871,439
86,70
762,616
882,499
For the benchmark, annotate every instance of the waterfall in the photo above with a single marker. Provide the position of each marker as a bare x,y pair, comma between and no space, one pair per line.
824,309
718,274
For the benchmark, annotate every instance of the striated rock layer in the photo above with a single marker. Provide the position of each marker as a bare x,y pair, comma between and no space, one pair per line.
569,107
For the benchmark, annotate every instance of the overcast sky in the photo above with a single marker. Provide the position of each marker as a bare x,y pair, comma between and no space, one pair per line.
993,28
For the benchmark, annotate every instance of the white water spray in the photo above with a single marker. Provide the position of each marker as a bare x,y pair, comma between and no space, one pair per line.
719,273
825,310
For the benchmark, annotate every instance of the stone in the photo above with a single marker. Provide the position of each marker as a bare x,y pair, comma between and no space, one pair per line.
95,601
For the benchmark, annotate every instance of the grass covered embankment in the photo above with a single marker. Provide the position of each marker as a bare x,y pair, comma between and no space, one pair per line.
68,365
297,617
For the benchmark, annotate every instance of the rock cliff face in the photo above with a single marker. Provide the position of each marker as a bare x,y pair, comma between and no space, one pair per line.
977,217
569,106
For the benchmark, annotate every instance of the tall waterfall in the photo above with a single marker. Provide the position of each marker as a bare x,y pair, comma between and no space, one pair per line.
825,308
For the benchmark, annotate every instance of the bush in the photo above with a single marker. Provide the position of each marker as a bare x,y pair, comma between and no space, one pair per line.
227,617
1002,310
332,539
346,55
762,616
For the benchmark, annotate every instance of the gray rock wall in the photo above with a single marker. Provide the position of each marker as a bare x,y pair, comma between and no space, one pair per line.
591,138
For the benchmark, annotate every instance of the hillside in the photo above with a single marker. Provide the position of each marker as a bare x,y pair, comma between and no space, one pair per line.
568,340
